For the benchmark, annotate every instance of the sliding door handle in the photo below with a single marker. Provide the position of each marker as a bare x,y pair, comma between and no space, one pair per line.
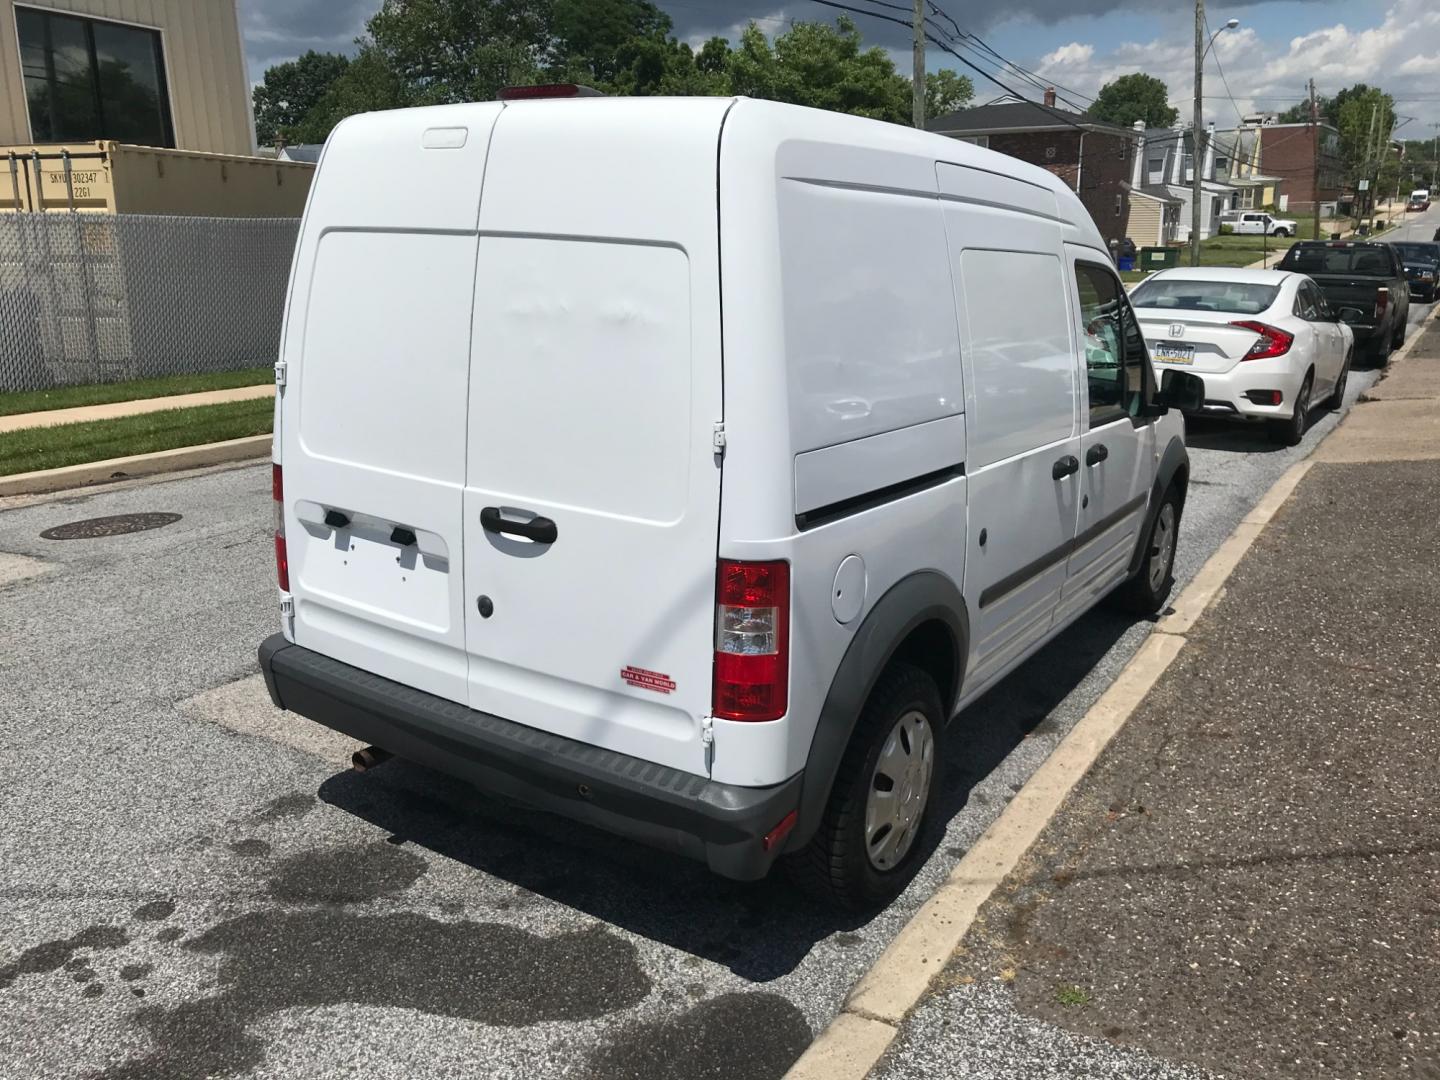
1096,454
1068,465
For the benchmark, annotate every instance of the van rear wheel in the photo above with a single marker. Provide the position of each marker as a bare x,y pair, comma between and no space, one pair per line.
868,845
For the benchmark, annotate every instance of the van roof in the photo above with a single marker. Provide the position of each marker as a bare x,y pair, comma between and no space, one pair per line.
765,125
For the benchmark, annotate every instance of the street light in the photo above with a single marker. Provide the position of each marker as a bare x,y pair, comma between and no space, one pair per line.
1202,50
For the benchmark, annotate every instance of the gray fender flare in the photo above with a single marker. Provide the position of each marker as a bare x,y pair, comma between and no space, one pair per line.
1171,461
911,602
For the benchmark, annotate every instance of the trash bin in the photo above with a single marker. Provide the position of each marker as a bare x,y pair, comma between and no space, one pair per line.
1159,258
1127,263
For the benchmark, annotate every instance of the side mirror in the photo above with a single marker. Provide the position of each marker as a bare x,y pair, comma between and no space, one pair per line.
1181,390
1349,314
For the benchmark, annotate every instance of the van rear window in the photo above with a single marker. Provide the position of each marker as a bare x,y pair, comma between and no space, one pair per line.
1234,297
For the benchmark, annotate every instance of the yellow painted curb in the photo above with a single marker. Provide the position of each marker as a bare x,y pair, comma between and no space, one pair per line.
123,468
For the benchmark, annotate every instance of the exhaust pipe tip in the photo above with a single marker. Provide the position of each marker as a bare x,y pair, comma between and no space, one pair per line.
368,758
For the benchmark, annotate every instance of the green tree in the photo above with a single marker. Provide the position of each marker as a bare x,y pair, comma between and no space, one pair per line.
822,66
368,85
594,40
946,91
444,51
292,89
1134,97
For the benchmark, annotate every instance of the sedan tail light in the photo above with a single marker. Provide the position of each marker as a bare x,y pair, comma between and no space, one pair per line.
1272,342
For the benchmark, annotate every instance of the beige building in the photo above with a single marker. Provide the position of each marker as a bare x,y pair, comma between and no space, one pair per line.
167,73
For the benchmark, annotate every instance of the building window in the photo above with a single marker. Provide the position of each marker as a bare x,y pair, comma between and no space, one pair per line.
1119,205
87,79
977,140
1157,170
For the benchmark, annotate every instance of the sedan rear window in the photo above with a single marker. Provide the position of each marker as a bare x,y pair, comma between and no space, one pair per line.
1235,297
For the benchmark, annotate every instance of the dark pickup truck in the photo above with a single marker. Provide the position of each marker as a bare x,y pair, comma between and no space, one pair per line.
1365,282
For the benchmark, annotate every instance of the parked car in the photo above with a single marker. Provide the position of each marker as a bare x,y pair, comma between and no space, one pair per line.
1259,223
505,550
1366,280
1421,261
1265,341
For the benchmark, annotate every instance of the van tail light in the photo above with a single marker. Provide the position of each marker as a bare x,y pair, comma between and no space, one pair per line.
547,90
1273,341
752,640
1382,301
282,558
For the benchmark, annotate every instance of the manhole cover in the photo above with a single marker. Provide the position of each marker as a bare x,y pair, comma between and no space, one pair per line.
108,526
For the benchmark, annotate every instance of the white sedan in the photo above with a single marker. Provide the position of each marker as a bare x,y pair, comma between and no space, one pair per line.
1265,342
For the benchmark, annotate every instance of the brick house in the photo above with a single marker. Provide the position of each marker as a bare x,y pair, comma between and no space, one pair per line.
1288,151
1092,157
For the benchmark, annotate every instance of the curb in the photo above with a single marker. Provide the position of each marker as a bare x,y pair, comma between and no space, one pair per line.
44,481
853,1043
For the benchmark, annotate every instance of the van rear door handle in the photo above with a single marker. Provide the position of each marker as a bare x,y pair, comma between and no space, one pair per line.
540,529
1066,466
1096,454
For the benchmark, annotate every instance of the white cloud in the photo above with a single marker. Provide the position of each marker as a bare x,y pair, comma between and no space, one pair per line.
1401,54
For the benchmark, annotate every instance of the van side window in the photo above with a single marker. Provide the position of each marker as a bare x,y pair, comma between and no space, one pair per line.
1114,346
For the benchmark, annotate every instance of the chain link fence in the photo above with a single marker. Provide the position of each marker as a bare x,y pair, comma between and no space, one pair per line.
92,298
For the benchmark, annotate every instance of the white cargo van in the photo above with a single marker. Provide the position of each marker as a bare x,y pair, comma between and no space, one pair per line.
682,466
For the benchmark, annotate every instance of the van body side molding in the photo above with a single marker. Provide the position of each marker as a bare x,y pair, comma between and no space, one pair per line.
1006,585
856,504
913,601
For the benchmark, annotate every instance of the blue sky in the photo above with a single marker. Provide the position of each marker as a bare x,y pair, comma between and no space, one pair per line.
1081,44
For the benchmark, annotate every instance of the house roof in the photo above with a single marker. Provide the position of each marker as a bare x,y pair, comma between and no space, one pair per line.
1158,192
1013,116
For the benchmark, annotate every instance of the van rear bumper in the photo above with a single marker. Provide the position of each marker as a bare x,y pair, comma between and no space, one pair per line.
722,825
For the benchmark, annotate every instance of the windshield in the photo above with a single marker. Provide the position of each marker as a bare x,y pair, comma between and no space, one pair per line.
1322,259
1235,297
1419,252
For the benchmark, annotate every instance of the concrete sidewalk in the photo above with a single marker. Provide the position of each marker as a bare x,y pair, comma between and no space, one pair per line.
1247,883
111,410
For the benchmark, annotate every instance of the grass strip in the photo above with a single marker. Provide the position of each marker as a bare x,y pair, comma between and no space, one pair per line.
30,449
69,397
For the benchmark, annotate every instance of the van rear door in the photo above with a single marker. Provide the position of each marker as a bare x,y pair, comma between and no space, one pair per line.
592,484
372,416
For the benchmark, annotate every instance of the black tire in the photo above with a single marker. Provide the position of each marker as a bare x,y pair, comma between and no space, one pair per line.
1399,338
835,866
1147,592
1336,400
1290,432
1282,232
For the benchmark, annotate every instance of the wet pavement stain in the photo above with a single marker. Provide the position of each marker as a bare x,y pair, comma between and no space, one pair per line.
131,972
732,1037
250,848
53,955
296,804
347,875
171,933
155,910
483,972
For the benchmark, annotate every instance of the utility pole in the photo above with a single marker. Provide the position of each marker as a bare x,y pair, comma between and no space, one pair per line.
918,49
1196,152
1315,157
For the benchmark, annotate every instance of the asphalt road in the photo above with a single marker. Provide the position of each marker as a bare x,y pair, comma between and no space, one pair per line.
181,900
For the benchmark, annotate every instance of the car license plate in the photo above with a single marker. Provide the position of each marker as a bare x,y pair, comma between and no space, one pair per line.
1172,353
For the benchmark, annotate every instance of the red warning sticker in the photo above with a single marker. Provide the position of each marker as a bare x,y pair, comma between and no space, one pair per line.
648,680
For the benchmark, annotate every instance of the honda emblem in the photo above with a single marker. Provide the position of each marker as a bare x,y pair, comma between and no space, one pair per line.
1177,329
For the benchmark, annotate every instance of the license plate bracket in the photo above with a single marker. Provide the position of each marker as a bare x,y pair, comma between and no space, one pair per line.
1174,353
